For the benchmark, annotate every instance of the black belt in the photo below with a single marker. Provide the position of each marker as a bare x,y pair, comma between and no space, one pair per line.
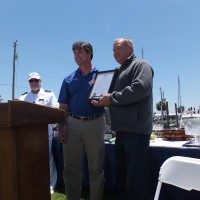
85,118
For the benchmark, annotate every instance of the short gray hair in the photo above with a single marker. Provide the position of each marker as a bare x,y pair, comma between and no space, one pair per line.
128,41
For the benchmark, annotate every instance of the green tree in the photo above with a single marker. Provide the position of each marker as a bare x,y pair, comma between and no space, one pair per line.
1,99
181,109
163,104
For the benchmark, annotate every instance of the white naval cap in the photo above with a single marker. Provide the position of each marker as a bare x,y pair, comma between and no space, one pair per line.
34,75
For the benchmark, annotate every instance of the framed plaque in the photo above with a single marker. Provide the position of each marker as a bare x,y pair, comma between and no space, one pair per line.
104,82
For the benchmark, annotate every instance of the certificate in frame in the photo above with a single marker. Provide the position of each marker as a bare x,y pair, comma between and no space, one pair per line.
104,82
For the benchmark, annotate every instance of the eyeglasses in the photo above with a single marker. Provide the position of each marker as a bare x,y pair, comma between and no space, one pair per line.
34,80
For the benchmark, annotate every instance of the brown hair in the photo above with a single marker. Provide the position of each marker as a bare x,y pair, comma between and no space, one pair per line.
83,45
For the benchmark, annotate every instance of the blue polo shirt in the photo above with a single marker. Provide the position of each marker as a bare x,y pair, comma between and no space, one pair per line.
75,91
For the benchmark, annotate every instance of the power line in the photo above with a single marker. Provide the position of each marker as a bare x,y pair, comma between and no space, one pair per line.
17,86
29,49
43,55
41,52
5,40
35,50
4,61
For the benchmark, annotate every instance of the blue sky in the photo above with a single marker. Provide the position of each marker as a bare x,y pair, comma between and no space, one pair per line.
167,31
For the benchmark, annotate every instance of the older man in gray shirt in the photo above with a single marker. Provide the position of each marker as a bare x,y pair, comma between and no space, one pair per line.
130,106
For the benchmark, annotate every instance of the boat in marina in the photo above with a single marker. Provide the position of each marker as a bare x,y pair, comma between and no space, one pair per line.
172,127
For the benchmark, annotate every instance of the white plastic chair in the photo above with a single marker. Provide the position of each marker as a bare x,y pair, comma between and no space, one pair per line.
183,172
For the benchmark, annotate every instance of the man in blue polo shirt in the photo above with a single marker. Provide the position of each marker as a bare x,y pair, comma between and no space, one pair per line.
84,128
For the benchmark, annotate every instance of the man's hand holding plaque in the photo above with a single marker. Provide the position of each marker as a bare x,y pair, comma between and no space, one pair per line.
104,100
104,83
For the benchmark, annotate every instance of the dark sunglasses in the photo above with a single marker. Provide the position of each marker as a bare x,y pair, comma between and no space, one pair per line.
33,80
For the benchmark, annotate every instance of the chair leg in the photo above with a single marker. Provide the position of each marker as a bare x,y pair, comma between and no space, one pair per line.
158,190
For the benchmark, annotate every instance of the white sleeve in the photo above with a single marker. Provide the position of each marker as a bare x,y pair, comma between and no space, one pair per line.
54,101
22,97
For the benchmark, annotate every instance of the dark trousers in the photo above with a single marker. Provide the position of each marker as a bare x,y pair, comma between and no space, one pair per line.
132,161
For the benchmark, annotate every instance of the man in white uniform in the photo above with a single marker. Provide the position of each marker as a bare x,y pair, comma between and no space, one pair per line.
47,98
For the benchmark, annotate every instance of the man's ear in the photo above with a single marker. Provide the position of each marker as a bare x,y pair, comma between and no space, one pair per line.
130,49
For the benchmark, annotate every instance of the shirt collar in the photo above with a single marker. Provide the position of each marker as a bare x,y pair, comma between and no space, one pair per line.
129,59
94,69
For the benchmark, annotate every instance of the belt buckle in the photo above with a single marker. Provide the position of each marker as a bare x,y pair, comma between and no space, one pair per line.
87,118
82,118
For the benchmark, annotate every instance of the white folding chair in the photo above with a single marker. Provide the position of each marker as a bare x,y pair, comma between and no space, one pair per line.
183,172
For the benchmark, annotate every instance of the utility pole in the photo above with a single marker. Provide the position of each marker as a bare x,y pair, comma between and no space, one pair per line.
142,53
13,79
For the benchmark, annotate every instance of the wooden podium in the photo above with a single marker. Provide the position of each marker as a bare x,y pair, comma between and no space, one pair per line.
24,154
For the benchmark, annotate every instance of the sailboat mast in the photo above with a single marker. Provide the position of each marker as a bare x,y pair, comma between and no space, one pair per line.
181,124
179,93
